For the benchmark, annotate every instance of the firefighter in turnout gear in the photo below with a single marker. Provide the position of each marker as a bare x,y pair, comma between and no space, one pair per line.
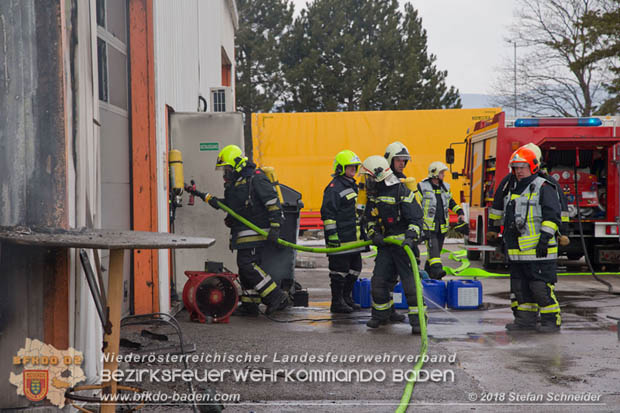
509,181
341,225
530,211
249,192
392,210
398,157
436,200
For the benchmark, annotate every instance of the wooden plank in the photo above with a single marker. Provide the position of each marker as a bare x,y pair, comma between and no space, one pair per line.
144,152
112,340
101,239
56,300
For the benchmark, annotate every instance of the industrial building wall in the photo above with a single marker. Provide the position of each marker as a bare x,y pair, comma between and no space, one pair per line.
34,281
302,146
189,39
217,31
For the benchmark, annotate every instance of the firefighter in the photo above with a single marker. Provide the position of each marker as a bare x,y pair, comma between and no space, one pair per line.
531,213
436,201
340,221
495,215
398,156
249,192
392,210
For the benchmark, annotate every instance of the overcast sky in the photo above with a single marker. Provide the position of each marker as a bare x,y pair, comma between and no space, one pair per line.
467,36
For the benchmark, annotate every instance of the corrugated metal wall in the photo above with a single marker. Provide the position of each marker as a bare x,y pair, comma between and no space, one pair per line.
189,37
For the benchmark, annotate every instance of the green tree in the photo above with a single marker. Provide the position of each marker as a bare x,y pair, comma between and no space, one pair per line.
417,82
361,55
604,25
259,78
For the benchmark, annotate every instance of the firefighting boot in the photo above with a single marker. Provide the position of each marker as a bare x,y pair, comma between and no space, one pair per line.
277,300
436,272
374,323
347,292
549,323
338,304
414,321
396,317
246,310
524,321
249,305
378,317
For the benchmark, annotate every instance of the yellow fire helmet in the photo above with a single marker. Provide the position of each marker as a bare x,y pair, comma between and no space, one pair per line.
344,159
231,155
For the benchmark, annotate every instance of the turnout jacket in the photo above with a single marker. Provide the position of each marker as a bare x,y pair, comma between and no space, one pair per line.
526,209
253,196
393,210
436,203
338,210
510,180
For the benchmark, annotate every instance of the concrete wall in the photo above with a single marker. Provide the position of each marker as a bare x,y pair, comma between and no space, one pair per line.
189,37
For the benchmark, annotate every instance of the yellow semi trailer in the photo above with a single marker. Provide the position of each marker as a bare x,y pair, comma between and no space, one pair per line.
302,146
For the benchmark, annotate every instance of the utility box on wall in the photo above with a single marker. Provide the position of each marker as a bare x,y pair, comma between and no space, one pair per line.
200,137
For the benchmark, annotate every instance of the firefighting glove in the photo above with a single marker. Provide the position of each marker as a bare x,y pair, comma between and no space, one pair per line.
213,202
493,238
333,241
461,218
229,221
273,235
377,239
543,245
462,227
409,242
412,234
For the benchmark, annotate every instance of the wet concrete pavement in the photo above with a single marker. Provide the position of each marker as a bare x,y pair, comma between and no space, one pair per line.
479,366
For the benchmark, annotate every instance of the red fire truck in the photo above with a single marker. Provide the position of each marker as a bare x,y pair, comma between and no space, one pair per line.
585,148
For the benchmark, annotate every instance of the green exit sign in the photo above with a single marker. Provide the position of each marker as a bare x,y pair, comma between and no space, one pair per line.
209,146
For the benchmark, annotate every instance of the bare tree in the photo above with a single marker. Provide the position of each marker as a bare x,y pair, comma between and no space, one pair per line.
554,77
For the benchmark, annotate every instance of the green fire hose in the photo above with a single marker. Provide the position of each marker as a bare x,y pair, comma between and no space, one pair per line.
406,397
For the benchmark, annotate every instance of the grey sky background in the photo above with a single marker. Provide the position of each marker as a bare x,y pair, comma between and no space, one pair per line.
467,36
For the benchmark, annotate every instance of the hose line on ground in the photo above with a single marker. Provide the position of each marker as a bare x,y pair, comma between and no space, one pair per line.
406,397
